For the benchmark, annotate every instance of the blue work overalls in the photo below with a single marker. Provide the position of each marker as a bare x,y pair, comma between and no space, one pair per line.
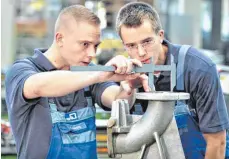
193,142
73,133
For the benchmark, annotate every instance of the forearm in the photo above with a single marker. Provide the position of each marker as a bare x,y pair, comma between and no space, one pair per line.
215,152
216,145
124,95
113,93
57,83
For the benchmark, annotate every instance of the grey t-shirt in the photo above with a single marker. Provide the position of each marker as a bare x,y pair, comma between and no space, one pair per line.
30,119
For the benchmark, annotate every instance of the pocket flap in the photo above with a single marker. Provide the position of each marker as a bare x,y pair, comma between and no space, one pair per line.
75,128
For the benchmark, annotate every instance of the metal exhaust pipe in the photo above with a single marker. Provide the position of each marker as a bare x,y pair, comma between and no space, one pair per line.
157,117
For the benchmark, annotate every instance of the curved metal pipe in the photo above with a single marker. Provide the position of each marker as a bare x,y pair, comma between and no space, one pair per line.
156,119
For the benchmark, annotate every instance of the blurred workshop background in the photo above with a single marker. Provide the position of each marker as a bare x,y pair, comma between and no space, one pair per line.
28,24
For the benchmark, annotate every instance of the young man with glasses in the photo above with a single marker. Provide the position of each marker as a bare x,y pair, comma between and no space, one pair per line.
140,29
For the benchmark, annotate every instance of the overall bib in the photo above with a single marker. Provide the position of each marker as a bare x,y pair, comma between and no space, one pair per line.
193,142
73,133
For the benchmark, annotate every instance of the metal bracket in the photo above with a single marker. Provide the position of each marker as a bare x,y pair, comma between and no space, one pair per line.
159,145
143,149
111,122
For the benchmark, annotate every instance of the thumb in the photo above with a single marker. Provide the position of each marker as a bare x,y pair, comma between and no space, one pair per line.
145,83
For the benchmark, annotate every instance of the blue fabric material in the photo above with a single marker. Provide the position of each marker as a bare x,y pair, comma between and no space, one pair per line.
193,142
180,67
73,134
77,114
227,146
58,150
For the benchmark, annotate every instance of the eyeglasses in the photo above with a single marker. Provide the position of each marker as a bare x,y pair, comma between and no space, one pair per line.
146,44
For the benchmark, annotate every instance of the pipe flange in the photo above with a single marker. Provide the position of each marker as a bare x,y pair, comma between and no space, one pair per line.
162,96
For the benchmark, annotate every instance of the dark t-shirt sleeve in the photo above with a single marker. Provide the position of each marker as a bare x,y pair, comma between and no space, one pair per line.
210,103
15,79
97,91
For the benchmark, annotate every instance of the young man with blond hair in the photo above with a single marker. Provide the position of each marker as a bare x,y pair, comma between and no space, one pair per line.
50,108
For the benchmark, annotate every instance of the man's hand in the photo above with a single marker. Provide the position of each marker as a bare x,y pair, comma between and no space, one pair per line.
129,80
126,90
139,81
123,70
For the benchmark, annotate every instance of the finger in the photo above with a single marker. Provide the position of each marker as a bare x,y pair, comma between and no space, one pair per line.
136,62
120,64
145,83
129,67
124,67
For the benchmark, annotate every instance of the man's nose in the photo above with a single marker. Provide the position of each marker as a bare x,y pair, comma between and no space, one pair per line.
141,50
92,52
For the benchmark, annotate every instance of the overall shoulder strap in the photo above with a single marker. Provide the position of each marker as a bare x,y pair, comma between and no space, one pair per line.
87,92
180,67
88,95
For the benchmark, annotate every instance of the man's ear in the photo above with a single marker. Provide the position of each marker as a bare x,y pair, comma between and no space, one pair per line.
161,34
59,39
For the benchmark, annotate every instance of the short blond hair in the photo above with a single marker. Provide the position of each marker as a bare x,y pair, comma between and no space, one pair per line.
79,13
